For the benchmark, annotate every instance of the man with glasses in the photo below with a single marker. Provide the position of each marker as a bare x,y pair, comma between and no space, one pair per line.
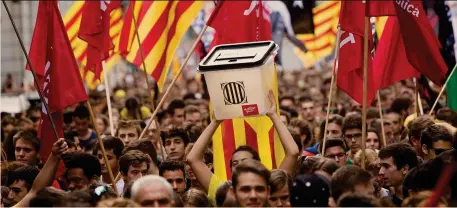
335,149
435,140
352,134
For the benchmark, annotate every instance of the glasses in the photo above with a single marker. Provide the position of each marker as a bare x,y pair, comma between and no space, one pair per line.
338,156
439,151
353,136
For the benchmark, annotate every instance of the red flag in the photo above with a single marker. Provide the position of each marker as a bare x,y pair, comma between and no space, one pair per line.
421,44
390,62
378,8
94,29
58,74
350,61
240,21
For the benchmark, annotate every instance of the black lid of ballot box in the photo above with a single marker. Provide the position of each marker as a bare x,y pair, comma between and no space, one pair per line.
236,56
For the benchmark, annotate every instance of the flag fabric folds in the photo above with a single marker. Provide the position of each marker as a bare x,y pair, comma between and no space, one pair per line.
251,21
72,22
451,89
57,71
161,26
94,29
322,43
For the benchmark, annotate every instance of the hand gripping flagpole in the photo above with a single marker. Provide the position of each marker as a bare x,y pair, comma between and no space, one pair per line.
174,80
35,79
332,82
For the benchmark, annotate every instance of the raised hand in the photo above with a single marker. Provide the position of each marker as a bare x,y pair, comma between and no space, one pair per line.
60,147
272,111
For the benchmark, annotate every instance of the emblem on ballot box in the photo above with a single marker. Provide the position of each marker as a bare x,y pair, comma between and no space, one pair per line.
234,93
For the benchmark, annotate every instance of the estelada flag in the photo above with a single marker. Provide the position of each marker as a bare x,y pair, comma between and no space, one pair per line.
57,71
94,29
235,22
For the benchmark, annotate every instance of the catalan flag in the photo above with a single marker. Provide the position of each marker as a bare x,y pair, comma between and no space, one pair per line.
322,42
72,21
161,26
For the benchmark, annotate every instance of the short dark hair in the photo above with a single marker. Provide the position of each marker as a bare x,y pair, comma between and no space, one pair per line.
358,200
448,115
89,163
286,114
417,125
81,112
305,129
132,157
423,177
48,197
401,153
250,166
175,132
435,133
255,154
335,118
175,104
171,165
305,98
287,97
144,145
372,112
346,178
111,143
352,121
26,173
29,135
333,142
401,104
296,136
221,193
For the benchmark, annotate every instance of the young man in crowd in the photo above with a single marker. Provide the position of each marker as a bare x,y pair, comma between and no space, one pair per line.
176,111
20,182
192,115
81,120
128,131
250,184
211,182
133,165
415,129
174,173
396,161
352,134
152,191
26,147
335,149
153,134
113,148
83,170
351,179
395,119
175,141
435,140
147,147
307,110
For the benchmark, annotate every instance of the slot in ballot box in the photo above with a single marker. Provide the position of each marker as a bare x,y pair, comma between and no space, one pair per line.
239,78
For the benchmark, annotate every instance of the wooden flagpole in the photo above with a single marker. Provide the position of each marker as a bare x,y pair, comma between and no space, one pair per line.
365,89
382,121
35,79
442,90
102,146
332,82
174,80
108,100
418,107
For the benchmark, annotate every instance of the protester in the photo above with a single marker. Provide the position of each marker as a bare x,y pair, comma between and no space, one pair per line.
26,147
250,184
175,141
352,133
351,179
434,140
81,119
133,165
20,182
335,149
128,131
173,172
151,191
195,198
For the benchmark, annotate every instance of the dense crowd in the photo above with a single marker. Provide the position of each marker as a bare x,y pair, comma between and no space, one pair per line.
173,164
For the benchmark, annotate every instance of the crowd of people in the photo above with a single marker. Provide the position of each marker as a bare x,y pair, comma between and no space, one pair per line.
172,165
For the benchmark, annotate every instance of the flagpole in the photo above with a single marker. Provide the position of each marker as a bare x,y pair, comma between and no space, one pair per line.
418,106
146,78
108,100
35,79
382,121
365,86
102,146
442,90
174,80
332,82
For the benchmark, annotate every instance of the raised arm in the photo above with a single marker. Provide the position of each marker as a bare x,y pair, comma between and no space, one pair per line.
47,173
195,156
290,148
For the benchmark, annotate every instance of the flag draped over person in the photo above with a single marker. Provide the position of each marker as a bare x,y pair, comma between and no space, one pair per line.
57,71
408,28
94,29
72,22
161,26
250,20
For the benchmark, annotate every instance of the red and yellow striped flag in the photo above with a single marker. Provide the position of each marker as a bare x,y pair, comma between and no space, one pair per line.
322,42
161,26
72,21
256,132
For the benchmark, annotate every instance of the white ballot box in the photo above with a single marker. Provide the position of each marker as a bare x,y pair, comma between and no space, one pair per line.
239,78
